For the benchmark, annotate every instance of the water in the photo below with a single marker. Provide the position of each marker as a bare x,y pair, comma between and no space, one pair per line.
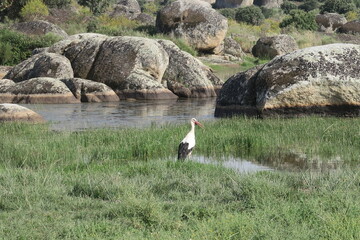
237,164
73,117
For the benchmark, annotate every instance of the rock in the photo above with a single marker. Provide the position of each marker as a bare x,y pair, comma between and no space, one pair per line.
233,3
129,64
330,22
36,90
39,27
133,67
352,27
195,21
127,8
90,91
233,48
14,112
269,47
209,1
269,3
146,19
316,80
41,65
186,76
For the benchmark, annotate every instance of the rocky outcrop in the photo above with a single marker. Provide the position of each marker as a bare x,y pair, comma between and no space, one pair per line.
352,27
39,27
186,76
269,3
233,3
127,8
330,22
195,21
51,90
41,65
233,48
209,1
316,80
133,67
146,19
14,112
270,47
90,91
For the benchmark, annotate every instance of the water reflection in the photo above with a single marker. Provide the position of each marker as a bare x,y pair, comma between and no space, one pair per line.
237,164
124,114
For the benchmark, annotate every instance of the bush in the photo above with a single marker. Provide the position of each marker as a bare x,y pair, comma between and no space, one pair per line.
309,5
252,15
34,10
300,20
338,6
111,26
16,47
288,6
96,6
228,12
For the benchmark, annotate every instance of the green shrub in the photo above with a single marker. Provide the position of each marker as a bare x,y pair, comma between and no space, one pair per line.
339,6
96,6
288,6
252,15
57,3
228,12
16,47
34,10
309,5
300,20
5,53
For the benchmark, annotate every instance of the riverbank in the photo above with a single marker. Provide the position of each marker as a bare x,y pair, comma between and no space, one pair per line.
125,184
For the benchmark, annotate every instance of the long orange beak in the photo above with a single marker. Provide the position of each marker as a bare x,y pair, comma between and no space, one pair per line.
199,124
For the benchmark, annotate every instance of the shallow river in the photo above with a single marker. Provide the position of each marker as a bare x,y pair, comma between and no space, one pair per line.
74,117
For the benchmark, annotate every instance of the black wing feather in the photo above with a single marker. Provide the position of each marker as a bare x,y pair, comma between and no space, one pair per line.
184,150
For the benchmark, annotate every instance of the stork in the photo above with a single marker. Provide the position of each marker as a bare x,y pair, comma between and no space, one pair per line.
188,143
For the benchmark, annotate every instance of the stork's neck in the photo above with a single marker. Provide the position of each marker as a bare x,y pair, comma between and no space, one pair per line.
192,127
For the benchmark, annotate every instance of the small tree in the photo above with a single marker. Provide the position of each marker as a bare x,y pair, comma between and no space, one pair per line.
309,5
288,6
251,15
96,6
338,6
300,20
34,10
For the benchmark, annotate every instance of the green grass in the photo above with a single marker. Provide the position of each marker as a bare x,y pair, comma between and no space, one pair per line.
122,184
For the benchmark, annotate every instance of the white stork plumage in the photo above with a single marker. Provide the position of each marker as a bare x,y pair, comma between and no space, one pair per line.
188,143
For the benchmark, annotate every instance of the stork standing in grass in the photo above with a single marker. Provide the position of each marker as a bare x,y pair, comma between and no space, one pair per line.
188,143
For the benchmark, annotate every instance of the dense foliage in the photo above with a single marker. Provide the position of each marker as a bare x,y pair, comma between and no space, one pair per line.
16,47
34,10
300,20
252,15
339,6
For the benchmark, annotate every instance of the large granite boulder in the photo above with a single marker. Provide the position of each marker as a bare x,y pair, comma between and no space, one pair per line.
39,27
233,3
133,67
195,21
233,48
269,3
186,76
316,80
36,90
90,91
330,22
14,112
270,47
209,1
41,65
352,27
127,8
52,90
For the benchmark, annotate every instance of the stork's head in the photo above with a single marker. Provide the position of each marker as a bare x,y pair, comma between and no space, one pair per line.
196,122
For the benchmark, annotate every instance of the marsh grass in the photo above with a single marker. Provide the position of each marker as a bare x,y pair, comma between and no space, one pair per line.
125,184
